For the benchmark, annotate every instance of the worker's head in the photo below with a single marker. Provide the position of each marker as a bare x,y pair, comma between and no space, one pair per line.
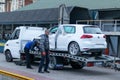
47,32
36,42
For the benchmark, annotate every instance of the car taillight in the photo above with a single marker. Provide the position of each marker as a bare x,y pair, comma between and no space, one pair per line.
86,36
90,64
104,36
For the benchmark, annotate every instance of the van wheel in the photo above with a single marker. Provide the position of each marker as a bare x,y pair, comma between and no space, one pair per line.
74,48
8,56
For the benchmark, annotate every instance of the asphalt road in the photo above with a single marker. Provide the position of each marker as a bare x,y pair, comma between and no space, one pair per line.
87,73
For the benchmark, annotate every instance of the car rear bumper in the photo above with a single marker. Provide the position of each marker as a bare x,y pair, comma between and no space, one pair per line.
95,50
92,50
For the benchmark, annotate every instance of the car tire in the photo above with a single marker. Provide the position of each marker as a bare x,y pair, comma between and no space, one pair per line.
8,56
76,65
74,48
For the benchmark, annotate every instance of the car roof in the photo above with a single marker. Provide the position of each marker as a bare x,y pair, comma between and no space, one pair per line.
76,25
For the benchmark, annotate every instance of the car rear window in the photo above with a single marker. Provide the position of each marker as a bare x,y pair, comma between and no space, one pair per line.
92,30
69,29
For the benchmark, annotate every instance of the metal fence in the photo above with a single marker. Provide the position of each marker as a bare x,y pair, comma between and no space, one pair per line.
105,25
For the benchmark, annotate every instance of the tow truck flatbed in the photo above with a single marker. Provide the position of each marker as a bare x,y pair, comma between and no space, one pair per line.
57,58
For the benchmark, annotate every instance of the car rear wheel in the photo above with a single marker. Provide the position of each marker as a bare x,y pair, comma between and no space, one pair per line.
74,48
8,56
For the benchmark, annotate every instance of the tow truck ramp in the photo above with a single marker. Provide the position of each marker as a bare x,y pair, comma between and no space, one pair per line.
57,60
103,60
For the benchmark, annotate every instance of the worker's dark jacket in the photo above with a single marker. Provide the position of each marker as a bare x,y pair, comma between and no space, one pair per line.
44,42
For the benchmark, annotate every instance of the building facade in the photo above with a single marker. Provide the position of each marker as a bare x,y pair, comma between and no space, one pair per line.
16,4
2,5
12,5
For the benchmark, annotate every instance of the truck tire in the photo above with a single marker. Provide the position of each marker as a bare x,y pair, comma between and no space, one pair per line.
8,56
76,65
74,48
52,62
56,63
32,58
96,54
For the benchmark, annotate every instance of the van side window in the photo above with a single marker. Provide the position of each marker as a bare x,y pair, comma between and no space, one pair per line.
15,34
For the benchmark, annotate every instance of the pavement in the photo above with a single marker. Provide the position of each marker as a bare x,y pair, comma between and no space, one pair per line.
21,70
34,76
87,73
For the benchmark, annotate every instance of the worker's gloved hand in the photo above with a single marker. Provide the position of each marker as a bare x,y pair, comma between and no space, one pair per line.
43,53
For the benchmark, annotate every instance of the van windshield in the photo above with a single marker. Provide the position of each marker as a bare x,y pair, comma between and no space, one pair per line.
92,30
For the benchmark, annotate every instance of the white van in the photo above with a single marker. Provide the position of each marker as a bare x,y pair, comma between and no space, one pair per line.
15,46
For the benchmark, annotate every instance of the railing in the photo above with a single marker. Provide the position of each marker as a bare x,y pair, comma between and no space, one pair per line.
4,75
105,25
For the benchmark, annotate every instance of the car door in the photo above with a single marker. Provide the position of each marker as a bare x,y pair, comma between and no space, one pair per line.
59,39
52,34
65,35
14,44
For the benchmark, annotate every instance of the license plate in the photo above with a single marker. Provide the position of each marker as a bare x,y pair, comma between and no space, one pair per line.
98,63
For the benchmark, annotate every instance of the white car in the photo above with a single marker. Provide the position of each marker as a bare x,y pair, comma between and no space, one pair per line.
77,39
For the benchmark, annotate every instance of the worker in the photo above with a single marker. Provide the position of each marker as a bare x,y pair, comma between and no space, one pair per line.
44,45
30,46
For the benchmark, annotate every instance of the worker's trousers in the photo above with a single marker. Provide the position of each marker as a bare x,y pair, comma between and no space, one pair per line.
44,62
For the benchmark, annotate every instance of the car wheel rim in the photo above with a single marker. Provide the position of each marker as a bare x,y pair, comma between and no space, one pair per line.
74,49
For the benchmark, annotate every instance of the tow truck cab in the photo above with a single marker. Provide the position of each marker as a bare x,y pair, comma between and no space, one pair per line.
21,35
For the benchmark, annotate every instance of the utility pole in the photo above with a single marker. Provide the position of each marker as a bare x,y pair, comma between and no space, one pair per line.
63,15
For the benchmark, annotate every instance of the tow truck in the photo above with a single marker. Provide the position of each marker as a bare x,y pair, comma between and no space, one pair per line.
59,59
89,56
